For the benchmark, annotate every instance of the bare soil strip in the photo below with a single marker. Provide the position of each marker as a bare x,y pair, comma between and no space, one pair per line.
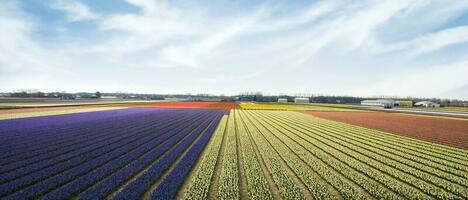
444,131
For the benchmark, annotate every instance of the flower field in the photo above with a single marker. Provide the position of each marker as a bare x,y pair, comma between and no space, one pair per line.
120,154
207,150
288,155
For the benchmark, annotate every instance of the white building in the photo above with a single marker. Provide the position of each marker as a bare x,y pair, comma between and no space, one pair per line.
301,100
427,104
109,97
386,103
282,100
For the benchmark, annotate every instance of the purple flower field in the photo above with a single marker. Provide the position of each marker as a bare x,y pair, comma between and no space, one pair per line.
120,154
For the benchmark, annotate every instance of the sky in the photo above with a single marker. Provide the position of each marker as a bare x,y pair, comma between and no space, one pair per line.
401,48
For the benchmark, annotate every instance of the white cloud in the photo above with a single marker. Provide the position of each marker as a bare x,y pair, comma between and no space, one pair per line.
75,10
149,6
158,23
188,54
306,15
435,41
331,47
23,62
417,26
347,29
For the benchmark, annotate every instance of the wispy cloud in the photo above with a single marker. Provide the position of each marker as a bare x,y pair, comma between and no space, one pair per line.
444,38
75,10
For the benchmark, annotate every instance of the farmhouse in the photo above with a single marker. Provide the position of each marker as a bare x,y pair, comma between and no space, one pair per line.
282,100
427,104
386,103
301,100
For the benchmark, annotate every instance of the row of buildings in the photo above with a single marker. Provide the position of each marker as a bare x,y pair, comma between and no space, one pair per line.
296,100
390,103
386,103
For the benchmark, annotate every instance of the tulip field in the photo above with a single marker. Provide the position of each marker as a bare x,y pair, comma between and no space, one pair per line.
288,155
200,150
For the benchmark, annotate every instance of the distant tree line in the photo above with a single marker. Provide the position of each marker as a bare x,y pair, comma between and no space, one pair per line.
246,96
24,94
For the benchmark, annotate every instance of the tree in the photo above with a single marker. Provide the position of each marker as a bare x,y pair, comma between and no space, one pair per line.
97,94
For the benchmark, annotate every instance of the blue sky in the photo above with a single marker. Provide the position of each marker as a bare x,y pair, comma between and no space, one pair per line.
334,47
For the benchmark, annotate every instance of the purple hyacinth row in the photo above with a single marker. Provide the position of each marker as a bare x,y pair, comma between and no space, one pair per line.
92,155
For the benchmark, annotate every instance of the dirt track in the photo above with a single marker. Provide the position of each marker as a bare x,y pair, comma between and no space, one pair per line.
451,132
